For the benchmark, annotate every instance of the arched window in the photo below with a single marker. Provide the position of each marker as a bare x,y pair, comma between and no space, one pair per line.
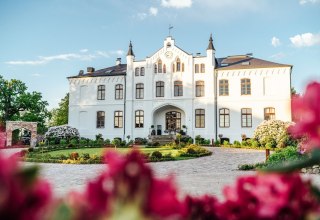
139,91
245,87
164,69
139,119
142,71
269,113
199,88
178,88
224,118
100,119
136,71
159,66
160,89
200,118
101,92
223,87
119,91
155,68
203,68
182,67
178,65
196,68
246,117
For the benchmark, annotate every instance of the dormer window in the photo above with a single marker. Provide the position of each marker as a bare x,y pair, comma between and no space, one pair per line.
168,44
159,66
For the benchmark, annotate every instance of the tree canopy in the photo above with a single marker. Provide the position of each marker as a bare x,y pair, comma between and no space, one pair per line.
18,104
60,114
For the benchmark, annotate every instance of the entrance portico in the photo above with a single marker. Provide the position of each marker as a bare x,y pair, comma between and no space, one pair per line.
168,119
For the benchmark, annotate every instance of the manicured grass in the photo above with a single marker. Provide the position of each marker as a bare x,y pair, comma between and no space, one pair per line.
100,151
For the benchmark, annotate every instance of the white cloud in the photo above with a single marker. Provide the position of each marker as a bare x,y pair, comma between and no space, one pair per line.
303,2
84,50
176,3
66,57
305,40
275,42
278,56
153,11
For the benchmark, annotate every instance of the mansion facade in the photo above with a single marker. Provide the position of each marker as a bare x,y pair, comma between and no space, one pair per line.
173,90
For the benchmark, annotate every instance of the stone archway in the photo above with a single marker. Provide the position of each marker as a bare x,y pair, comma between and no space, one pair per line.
13,125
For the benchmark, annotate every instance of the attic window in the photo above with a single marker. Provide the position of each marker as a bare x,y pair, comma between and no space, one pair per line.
108,71
224,64
168,44
246,63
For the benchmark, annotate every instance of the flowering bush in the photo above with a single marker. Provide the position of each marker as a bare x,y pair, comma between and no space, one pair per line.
62,132
273,132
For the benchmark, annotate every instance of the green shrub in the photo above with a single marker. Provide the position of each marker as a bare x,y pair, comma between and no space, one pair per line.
226,143
74,142
91,143
237,144
62,157
63,142
283,155
83,142
194,150
107,141
244,143
255,144
217,143
156,155
85,156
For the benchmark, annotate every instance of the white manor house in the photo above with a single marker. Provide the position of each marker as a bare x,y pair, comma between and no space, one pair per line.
172,90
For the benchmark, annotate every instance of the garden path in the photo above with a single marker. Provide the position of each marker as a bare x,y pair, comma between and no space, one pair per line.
196,176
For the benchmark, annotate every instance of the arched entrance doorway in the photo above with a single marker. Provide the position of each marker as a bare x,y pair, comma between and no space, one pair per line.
13,125
168,119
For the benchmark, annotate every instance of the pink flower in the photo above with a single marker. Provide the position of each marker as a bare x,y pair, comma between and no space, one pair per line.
268,196
22,194
307,110
205,207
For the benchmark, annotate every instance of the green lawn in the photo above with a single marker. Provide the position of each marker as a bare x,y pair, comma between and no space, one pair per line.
100,151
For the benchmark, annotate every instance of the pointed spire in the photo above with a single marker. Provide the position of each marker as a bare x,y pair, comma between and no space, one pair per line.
210,46
130,51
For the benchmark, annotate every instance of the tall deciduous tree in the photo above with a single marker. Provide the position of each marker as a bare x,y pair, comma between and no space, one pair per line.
60,114
18,104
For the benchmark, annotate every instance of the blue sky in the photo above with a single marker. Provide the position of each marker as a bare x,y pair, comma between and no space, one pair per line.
43,42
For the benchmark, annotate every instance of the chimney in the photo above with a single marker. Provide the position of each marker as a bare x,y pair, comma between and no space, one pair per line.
90,69
118,61
81,72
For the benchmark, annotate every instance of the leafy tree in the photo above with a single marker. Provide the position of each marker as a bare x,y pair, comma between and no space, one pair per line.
18,104
60,114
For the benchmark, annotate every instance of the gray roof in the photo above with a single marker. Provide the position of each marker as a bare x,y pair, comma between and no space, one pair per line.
118,70
245,62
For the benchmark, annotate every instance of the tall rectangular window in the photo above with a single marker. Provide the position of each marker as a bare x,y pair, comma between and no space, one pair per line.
200,118
142,71
223,87
196,68
139,91
224,118
178,88
118,119
136,71
269,113
119,91
139,119
203,68
246,117
160,89
100,119
245,87
199,88
101,92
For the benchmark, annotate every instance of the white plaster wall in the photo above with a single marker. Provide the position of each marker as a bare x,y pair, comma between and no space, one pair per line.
259,99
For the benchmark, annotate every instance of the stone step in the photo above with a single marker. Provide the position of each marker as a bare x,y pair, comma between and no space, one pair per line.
161,139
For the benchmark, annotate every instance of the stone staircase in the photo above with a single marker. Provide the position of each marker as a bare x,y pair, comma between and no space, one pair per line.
161,139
